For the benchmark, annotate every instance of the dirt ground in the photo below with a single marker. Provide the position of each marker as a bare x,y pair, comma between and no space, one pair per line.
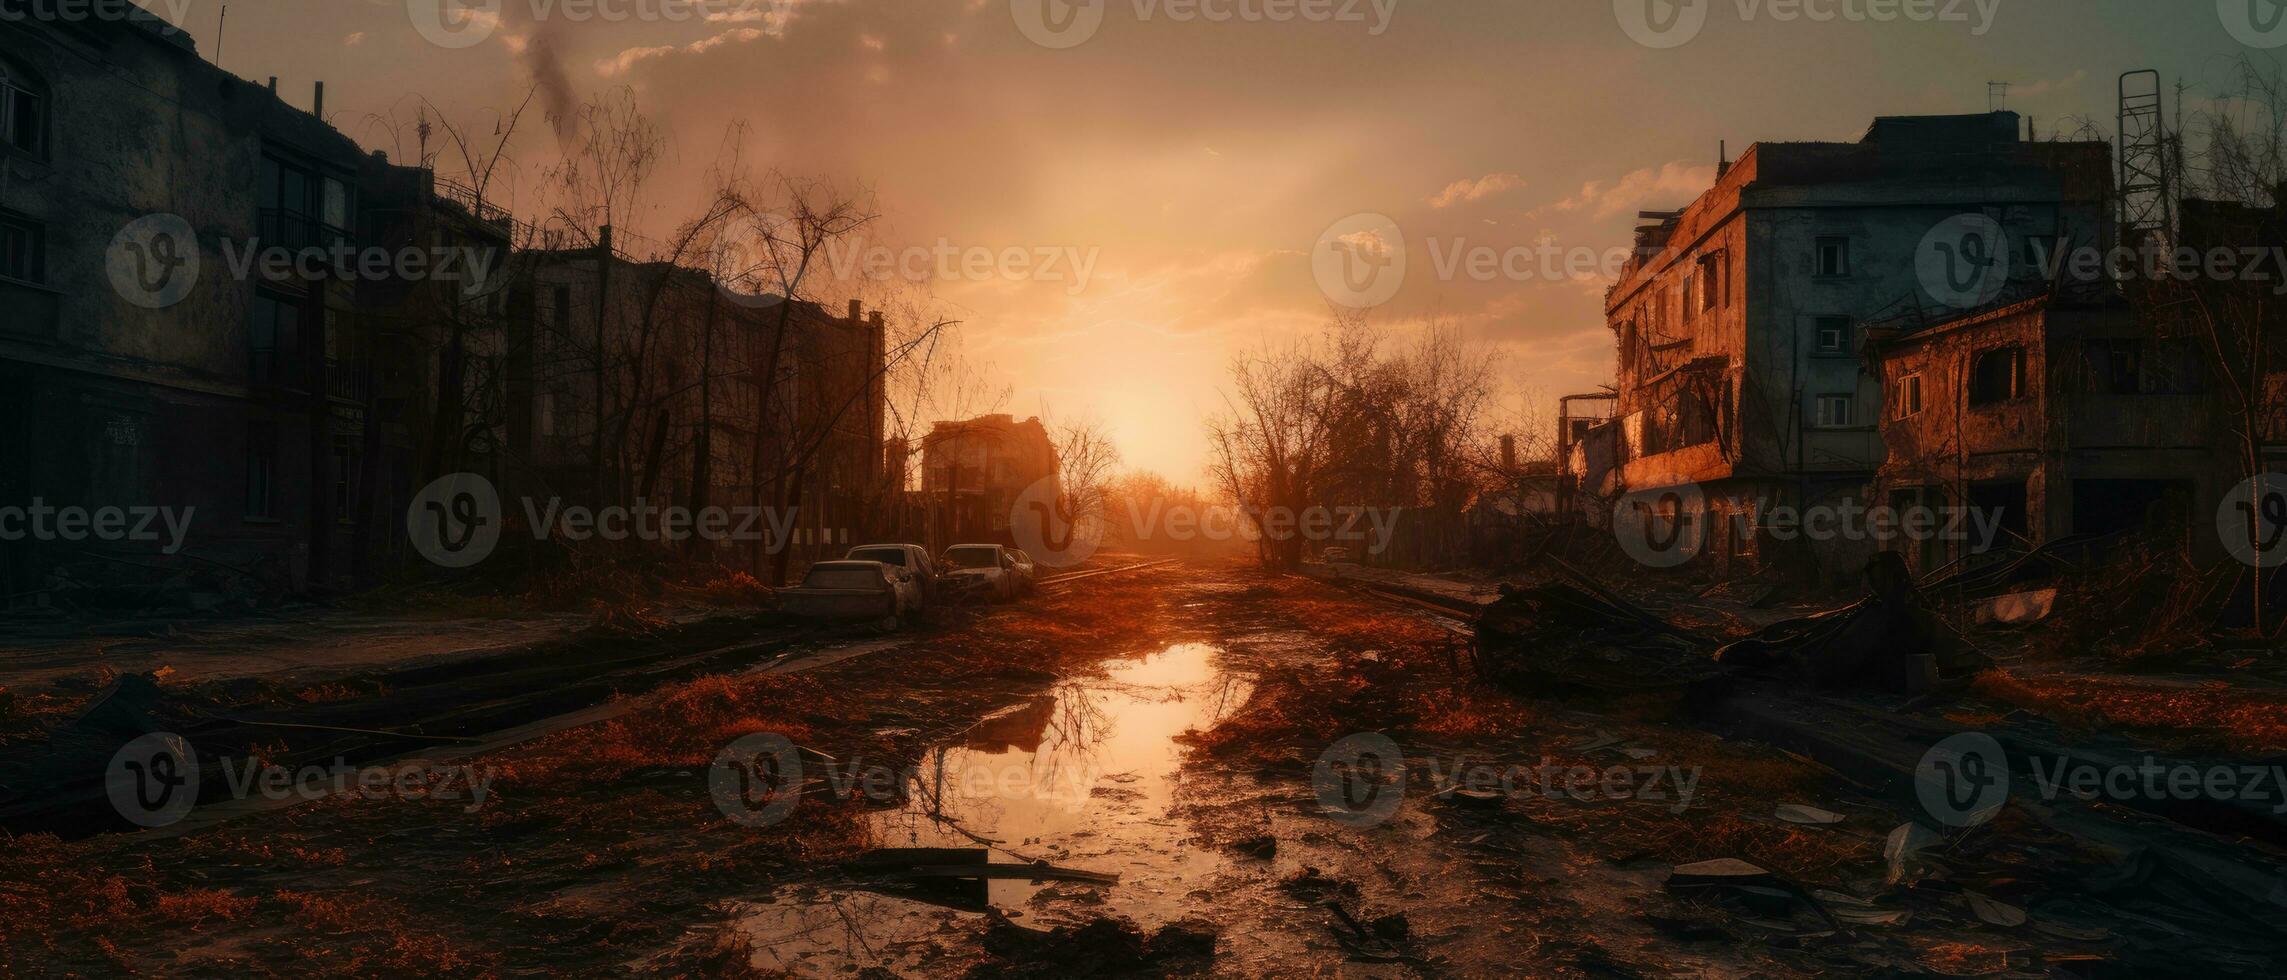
1168,727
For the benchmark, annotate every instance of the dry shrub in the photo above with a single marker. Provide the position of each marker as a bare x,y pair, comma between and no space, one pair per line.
626,616
201,904
682,726
359,936
2175,599
731,588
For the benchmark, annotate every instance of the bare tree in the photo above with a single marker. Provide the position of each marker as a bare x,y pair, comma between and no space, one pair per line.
1344,420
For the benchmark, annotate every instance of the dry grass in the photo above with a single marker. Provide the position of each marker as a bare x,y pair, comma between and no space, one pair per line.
2210,717
680,727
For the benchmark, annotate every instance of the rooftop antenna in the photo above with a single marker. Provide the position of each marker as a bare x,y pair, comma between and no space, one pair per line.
1996,96
2147,176
220,22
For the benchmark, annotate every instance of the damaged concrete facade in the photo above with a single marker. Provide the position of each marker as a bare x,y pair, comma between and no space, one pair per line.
267,406
2046,420
1740,321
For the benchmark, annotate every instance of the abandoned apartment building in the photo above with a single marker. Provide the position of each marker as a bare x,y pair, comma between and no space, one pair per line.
295,416
276,408
1742,324
683,398
973,471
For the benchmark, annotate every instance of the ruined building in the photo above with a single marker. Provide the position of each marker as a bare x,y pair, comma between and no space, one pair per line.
150,356
709,397
972,472
1741,320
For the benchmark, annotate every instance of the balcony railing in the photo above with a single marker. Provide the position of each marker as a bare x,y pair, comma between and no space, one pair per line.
467,199
296,231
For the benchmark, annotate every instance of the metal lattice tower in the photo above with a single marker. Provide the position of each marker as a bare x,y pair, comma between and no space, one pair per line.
2147,179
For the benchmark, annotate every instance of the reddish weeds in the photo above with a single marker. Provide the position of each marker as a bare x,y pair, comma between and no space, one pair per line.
2251,722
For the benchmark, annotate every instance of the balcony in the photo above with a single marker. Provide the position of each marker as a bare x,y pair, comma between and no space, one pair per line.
297,232
348,380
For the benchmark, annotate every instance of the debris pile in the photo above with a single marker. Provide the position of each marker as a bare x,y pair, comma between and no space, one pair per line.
1886,641
1579,637
1103,947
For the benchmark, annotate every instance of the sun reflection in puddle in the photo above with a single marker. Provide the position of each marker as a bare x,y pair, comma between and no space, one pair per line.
1081,777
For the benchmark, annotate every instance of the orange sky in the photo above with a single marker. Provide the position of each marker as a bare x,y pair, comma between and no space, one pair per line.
1195,163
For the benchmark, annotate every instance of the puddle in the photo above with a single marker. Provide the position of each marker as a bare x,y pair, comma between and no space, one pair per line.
1081,777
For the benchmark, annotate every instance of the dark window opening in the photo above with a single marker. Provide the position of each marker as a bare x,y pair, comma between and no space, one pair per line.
2105,506
271,334
1832,258
1997,376
23,109
560,317
22,245
2000,507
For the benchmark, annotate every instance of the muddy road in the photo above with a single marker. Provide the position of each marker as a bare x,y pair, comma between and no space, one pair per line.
1186,770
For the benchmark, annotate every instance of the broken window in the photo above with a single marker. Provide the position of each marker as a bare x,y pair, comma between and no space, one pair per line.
2113,366
1832,258
1997,376
1831,334
1834,411
21,245
1714,280
2130,366
23,109
1906,397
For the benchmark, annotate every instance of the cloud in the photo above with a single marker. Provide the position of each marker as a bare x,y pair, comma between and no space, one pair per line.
355,39
1672,185
1470,191
620,63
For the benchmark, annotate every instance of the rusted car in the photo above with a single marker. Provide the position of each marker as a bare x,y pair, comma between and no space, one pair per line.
854,591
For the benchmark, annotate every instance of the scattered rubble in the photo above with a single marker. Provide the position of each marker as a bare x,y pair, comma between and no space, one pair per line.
1579,637
1102,947
1886,641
